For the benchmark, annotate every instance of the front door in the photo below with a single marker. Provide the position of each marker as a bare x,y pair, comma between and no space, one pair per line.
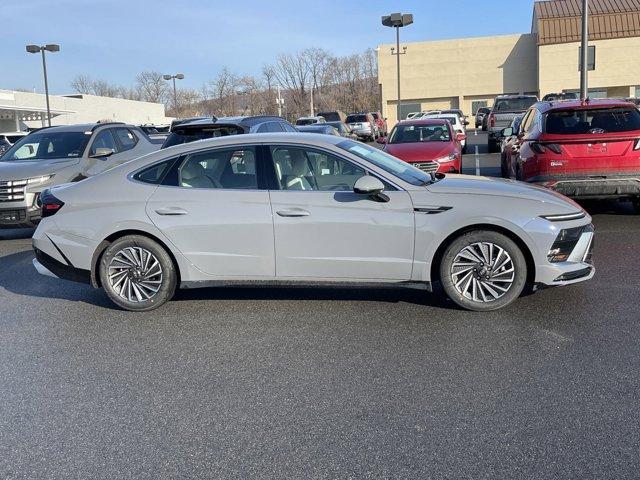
323,230
213,210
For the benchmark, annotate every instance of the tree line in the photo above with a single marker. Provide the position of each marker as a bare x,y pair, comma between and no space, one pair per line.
311,76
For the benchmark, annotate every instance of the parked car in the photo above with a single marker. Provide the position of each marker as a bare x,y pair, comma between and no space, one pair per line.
180,121
381,123
363,125
310,120
334,116
299,209
430,145
412,115
459,125
200,129
480,114
582,149
509,146
550,97
321,128
343,130
505,108
55,155
634,100
12,137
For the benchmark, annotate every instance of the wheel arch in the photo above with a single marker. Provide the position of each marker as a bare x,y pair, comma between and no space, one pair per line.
99,251
526,251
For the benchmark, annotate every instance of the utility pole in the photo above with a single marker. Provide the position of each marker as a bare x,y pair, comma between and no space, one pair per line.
280,102
311,106
584,54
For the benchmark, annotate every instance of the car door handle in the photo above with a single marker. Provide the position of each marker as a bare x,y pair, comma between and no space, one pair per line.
293,212
171,211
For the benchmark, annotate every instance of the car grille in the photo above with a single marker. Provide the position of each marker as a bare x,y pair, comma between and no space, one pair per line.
12,190
429,167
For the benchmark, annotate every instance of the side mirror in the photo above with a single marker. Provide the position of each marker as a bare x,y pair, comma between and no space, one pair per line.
466,122
370,185
460,137
507,132
102,152
382,140
385,119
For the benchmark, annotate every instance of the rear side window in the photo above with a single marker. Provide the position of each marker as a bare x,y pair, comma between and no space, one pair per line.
187,135
270,127
287,127
514,104
155,173
603,120
233,168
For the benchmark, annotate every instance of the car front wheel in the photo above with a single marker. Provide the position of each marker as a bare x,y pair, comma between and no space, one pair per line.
137,273
483,270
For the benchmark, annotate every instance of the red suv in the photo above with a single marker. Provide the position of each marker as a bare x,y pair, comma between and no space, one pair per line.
430,145
585,149
381,122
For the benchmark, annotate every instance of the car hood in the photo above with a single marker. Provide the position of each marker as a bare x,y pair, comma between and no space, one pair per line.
22,169
477,185
419,152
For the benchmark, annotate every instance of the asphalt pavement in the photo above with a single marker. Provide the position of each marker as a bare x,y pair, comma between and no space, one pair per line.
329,383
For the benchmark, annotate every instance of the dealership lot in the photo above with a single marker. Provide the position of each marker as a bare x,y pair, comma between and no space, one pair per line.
331,383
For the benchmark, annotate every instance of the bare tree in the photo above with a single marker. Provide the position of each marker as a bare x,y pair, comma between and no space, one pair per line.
82,84
152,87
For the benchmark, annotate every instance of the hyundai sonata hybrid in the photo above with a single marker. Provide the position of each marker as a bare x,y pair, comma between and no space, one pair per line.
306,209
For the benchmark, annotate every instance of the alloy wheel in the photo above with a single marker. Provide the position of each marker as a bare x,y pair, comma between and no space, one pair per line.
483,272
135,274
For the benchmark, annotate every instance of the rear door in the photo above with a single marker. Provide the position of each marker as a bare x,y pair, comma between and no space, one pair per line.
325,231
214,209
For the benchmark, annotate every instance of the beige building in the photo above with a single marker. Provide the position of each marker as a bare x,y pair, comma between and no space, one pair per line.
468,73
19,110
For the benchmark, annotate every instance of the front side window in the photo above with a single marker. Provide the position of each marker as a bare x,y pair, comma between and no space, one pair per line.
233,168
386,162
420,133
104,139
595,120
45,145
302,168
127,138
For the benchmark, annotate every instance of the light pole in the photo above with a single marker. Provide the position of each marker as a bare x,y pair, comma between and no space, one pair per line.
50,47
584,53
397,20
179,76
280,102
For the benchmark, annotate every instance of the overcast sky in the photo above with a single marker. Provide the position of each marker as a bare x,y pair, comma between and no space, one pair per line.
114,40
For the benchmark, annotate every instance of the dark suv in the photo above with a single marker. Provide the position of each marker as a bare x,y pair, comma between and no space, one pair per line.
200,129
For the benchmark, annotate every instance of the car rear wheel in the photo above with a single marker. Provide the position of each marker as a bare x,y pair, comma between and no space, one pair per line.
483,271
137,273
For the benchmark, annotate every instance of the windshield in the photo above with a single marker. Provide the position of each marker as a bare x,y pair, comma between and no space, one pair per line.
600,120
187,135
420,133
514,104
45,144
392,165
356,118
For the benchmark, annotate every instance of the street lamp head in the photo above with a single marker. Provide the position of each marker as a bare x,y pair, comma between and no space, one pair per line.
180,76
33,48
52,47
397,20
166,77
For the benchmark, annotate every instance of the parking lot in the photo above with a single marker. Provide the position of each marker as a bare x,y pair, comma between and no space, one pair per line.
330,383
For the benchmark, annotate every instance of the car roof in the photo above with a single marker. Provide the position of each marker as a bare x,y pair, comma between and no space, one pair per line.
81,127
238,120
546,106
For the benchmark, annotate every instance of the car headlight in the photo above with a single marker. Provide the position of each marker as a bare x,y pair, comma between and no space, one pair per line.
448,158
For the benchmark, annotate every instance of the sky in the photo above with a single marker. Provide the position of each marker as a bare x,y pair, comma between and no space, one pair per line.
114,40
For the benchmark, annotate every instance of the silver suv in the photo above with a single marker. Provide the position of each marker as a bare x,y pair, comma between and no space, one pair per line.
56,155
504,110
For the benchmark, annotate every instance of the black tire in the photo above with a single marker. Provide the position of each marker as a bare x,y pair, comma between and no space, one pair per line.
503,167
492,146
636,204
464,149
513,291
168,275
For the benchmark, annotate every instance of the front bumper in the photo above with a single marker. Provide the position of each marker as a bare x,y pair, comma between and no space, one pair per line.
21,217
592,187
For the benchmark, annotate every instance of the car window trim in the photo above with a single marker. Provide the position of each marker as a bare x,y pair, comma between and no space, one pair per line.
274,179
95,137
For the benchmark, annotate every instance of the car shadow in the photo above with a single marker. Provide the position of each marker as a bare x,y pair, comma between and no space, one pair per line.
607,207
18,276
16,233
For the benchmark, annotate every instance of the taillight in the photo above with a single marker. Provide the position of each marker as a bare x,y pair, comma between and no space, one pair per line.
492,120
637,145
50,204
542,148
